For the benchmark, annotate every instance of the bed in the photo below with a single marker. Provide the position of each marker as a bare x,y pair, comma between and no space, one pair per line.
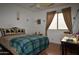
25,44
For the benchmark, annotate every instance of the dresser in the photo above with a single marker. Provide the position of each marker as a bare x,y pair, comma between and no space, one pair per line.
69,46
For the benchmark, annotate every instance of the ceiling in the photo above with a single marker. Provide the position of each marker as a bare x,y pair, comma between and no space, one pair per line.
36,6
39,6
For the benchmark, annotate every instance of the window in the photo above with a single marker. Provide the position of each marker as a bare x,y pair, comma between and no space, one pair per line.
58,22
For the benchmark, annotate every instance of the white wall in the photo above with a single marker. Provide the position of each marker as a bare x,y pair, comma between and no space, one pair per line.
75,21
56,35
40,27
8,17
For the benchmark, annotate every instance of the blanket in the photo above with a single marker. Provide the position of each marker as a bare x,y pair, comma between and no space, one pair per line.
30,44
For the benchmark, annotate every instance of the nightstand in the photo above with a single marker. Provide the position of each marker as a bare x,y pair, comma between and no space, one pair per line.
69,46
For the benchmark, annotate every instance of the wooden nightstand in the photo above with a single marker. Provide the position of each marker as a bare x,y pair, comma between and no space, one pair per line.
69,47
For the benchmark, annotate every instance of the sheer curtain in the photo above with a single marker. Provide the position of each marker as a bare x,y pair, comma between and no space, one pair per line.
68,18
50,16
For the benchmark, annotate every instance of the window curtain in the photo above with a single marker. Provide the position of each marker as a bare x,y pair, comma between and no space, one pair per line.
68,18
50,16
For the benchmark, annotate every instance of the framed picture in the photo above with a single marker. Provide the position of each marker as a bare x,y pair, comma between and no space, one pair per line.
39,21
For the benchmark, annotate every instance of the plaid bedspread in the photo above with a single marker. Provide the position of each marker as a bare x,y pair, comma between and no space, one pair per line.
29,45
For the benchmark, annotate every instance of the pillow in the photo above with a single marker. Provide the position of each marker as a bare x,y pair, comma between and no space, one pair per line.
15,28
20,31
7,32
2,31
11,31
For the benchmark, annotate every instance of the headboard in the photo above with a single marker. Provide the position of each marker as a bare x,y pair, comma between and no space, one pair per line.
11,31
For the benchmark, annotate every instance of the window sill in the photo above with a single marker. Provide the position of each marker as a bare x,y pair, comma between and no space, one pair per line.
58,29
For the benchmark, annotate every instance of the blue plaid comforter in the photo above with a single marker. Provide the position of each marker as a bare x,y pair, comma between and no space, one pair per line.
29,45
